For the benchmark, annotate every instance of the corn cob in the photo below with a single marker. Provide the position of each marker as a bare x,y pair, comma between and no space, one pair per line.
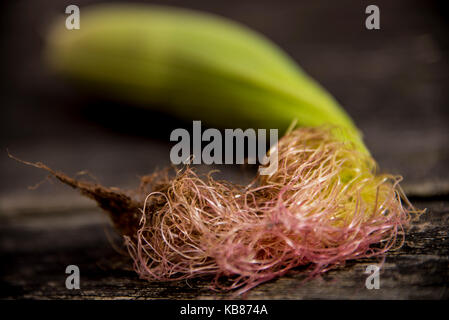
324,205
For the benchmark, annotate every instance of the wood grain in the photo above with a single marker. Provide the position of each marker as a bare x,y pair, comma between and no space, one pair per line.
394,82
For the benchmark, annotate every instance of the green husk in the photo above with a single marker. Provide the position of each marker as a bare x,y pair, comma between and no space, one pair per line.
195,65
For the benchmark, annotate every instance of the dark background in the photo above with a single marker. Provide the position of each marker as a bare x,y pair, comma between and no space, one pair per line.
394,82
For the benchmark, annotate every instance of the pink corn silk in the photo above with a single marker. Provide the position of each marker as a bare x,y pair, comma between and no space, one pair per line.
323,206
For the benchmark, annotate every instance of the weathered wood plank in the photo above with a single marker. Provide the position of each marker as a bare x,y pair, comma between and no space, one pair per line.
37,249
394,82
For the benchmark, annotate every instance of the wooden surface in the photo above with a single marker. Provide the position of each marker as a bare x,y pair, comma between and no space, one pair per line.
394,82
